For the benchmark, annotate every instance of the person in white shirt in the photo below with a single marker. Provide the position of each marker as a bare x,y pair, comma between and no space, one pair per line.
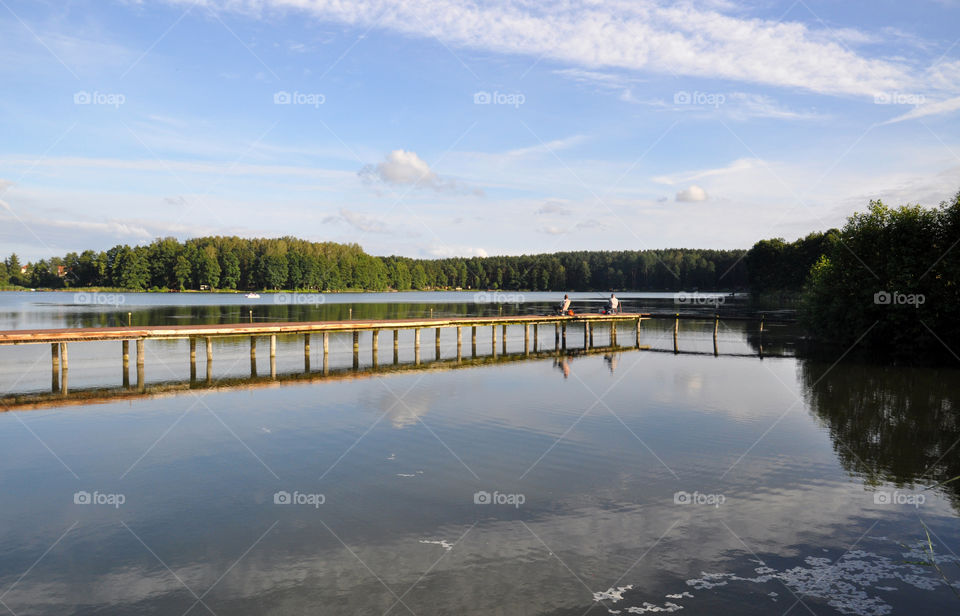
613,306
565,304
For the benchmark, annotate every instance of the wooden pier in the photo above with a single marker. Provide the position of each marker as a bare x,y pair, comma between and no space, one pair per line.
58,339
581,330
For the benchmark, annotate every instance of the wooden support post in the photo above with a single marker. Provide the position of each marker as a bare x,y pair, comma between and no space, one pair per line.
55,367
676,325
416,346
586,335
536,337
273,366
504,336
273,345
351,313
326,357
356,349
396,346
251,316
64,375
193,360
716,325
473,340
556,336
459,343
129,319
141,352
564,335
590,333
326,346
209,350
431,313
762,316
306,352
64,364
375,347
493,340
125,355
613,333
253,348
526,339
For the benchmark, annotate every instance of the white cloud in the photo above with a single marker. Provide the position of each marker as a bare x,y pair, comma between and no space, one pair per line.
679,39
455,251
554,208
694,193
928,109
741,164
549,146
402,167
358,221
552,230
745,106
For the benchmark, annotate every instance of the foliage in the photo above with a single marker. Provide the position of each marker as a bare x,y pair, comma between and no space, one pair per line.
291,263
891,277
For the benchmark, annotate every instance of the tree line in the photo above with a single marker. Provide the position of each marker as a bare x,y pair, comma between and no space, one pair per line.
294,264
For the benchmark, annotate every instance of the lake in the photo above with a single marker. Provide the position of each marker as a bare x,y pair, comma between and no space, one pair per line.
636,478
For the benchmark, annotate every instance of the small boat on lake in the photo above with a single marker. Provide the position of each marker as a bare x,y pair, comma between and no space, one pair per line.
252,296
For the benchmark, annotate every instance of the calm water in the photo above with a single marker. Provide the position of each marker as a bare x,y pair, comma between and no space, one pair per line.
622,481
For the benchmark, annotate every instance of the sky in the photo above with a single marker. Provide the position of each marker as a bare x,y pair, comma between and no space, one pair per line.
435,128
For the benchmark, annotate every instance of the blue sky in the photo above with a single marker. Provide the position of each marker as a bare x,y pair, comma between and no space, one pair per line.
437,128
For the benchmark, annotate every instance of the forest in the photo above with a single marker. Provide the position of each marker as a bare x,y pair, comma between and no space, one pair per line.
228,263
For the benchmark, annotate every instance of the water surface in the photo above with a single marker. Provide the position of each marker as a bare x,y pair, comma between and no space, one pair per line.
627,480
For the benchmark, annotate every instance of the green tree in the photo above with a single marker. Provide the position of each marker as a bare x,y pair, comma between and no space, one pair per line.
418,277
229,270
888,280
182,270
131,269
208,267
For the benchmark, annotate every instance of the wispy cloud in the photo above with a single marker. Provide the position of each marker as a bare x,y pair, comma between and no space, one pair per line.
679,39
928,109
741,164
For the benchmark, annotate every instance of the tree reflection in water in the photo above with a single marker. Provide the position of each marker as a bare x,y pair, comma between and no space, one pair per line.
891,424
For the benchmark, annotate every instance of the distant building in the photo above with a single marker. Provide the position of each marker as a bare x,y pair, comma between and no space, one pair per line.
62,270
24,269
